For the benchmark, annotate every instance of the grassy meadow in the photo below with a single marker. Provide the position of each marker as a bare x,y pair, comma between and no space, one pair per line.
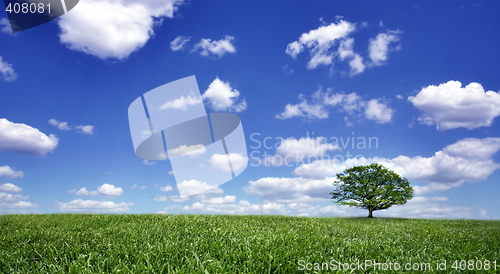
84,243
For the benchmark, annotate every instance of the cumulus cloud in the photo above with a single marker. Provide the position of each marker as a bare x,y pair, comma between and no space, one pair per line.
294,189
333,42
148,163
59,125
178,199
220,200
293,150
207,47
12,203
193,151
264,208
159,198
9,173
378,112
227,205
89,130
380,46
179,42
5,26
220,161
468,160
222,97
346,52
304,110
428,208
94,206
450,105
8,187
351,104
17,137
182,103
113,29
7,72
191,187
165,188
105,189
319,42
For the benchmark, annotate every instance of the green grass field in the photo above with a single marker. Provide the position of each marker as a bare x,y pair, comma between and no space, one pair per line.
81,243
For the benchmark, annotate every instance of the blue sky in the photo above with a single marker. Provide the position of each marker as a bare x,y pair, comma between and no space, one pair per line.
420,77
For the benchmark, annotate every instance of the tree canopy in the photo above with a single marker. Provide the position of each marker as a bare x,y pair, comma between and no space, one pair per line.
372,187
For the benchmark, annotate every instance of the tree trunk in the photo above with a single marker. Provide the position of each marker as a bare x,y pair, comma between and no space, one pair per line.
370,215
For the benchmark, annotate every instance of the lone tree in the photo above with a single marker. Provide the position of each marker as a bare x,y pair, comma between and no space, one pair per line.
372,187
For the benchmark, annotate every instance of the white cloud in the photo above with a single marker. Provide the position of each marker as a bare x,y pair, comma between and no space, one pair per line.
244,207
7,73
105,189
191,187
220,200
94,206
351,104
182,103
9,173
468,160
244,203
319,169
305,110
113,29
400,97
166,188
293,150
222,97
17,205
207,47
59,125
193,151
378,112
8,187
14,203
179,42
275,189
355,60
429,208
149,163
159,198
319,42
220,161
17,137
7,197
84,192
286,70
178,199
379,47
5,26
88,129
322,41
264,208
110,190
450,106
